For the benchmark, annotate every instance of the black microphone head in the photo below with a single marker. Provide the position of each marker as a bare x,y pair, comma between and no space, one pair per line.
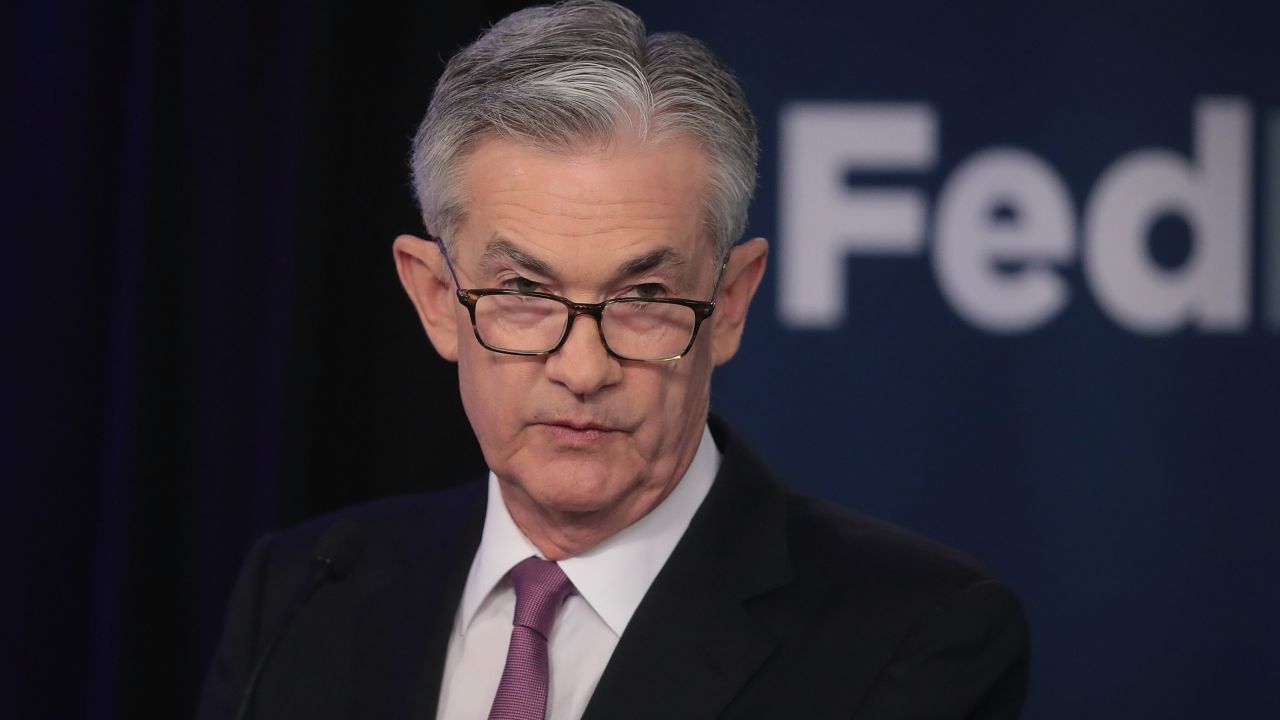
339,548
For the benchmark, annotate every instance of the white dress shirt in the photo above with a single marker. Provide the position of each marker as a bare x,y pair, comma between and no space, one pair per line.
610,580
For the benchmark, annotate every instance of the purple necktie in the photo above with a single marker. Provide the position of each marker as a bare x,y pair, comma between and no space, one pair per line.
541,587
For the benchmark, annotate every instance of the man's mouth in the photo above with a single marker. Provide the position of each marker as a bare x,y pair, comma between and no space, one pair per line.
577,433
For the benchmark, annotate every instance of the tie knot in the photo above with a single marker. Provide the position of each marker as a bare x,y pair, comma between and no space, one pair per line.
541,587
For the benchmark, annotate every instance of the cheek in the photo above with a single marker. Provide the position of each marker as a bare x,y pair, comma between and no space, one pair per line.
676,395
482,391
494,391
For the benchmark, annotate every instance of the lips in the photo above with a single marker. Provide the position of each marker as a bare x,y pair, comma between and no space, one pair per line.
577,433
580,425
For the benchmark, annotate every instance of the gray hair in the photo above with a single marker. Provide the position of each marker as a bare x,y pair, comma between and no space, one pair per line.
560,75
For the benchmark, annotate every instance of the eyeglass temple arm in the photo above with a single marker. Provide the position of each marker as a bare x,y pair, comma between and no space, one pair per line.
448,263
715,291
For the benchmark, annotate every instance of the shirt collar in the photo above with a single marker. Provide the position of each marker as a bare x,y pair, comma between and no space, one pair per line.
611,577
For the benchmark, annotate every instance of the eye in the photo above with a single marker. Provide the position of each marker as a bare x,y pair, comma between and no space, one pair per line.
649,291
521,284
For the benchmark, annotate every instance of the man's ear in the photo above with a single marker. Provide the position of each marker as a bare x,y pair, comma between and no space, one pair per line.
429,285
741,278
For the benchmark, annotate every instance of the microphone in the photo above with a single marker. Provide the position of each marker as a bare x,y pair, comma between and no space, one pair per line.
336,553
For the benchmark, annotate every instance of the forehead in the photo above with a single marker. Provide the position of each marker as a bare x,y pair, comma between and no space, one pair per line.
619,199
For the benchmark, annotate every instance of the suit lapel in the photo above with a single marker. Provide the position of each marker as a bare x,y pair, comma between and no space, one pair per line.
402,631
693,642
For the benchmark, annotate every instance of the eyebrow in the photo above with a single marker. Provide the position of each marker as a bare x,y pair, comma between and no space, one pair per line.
662,257
500,248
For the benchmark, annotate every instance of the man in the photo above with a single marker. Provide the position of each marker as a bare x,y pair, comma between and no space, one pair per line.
627,557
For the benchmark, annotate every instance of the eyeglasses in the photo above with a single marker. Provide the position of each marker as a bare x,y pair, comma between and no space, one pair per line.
516,322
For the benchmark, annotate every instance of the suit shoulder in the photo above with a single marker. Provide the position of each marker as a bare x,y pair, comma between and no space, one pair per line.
381,521
835,551
837,545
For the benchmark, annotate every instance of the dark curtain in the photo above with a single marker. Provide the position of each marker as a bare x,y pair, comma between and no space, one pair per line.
204,337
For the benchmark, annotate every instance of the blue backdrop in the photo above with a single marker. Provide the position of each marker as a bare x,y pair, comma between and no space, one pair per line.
1023,298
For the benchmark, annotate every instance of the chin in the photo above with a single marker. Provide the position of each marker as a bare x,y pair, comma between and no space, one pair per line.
575,488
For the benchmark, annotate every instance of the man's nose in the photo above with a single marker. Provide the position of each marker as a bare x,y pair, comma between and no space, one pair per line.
582,364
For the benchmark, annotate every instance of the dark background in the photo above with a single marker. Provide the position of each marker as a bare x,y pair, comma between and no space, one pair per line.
204,337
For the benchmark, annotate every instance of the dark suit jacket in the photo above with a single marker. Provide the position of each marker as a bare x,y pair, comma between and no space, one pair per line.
773,605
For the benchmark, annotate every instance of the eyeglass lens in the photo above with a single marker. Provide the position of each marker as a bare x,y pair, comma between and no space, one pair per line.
633,329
